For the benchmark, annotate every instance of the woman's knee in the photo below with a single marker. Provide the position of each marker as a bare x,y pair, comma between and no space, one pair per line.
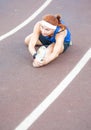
27,39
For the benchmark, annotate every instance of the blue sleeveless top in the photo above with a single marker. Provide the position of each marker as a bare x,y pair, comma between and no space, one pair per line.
53,40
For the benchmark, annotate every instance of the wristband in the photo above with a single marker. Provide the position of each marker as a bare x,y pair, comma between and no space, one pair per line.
34,55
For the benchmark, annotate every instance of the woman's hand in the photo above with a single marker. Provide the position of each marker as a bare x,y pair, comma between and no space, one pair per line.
37,63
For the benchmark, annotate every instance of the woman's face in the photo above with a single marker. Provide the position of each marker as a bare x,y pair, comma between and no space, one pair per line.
46,31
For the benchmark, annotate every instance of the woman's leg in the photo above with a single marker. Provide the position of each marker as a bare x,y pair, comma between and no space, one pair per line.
65,47
28,38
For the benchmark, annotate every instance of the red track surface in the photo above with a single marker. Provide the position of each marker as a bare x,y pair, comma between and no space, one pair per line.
23,88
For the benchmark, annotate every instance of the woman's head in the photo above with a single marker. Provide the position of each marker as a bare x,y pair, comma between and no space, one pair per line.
49,23
51,19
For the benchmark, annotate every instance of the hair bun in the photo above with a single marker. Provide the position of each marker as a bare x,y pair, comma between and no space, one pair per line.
58,18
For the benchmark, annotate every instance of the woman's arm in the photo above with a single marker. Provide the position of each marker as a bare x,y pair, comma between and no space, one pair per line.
34,38
53,50
58,47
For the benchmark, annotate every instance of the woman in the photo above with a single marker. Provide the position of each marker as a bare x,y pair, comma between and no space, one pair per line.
49,32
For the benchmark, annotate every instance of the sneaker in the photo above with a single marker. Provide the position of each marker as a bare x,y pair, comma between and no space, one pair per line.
41,53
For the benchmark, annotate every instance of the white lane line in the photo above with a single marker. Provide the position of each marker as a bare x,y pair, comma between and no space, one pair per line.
29,120
37,12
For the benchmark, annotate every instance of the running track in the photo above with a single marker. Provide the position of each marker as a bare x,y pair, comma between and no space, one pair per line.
23,88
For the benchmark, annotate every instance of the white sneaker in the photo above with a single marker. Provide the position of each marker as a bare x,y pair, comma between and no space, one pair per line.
71,43
41,53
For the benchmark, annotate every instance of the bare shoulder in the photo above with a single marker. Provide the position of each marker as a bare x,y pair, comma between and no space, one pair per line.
61,34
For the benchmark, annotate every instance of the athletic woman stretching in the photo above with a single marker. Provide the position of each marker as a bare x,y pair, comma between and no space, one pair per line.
52,33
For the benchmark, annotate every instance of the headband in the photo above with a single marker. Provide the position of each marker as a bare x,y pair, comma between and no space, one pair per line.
47,24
